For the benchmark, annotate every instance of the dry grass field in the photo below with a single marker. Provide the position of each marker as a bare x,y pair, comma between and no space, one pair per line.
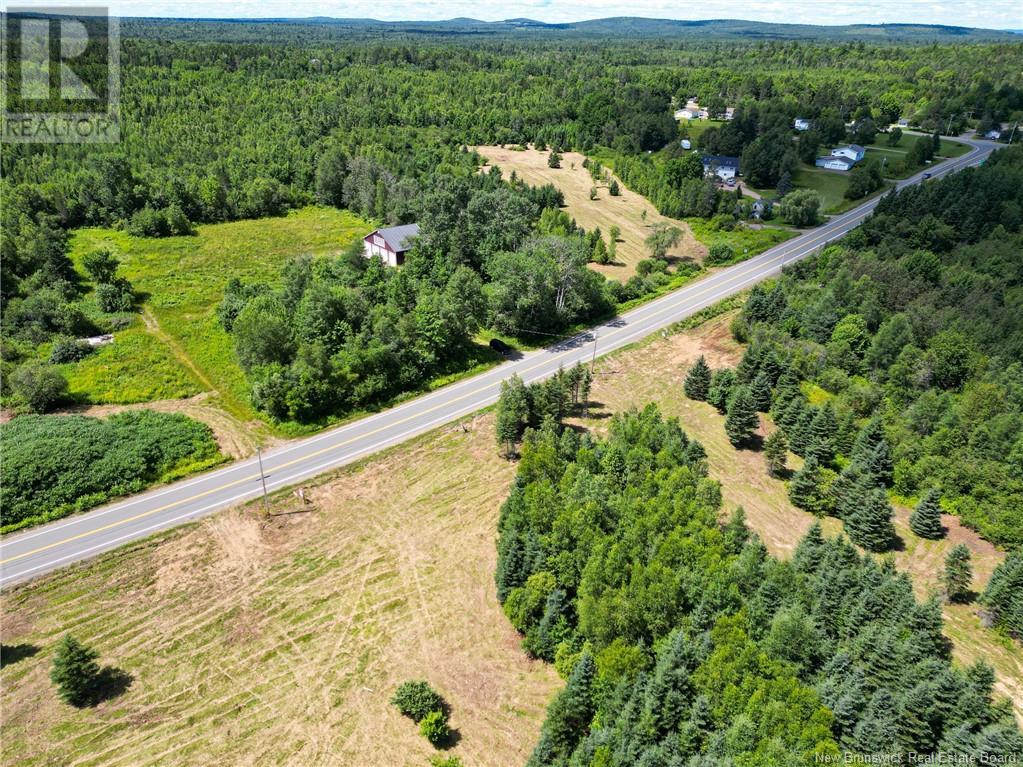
278,641
654,372
626,211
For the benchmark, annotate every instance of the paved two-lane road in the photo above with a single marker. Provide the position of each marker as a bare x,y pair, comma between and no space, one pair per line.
40,550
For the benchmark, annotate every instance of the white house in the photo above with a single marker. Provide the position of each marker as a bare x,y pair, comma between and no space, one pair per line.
725,168
854,152
801,123
390,244
729,113
835,162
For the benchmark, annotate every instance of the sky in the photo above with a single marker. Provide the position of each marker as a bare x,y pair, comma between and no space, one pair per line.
996,14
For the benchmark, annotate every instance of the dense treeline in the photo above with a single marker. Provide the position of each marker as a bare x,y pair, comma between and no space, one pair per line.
54,465
911,331
685,643
344,333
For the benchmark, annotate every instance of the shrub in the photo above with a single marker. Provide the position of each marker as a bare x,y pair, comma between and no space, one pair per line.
69,350
416,699
445,761
41,387
719,253
434,727
116,296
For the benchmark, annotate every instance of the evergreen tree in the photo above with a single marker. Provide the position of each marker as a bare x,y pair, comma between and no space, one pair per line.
749,365
554,159
958,574
697,383
1004,594
821,434
810,550
512,412
742,420
867,440
805,487
870,526
75,671
736,532
721,385
569,715
879,464
776,451
760,389
925,520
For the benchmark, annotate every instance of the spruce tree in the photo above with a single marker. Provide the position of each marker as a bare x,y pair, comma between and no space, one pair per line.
569,715
958,574
749,365
1004,594
805,487
75,671
870,526
925,520
821,434
867,440
742,420
512,410
760,389
776,452
736,532
697,382
721,385
880,465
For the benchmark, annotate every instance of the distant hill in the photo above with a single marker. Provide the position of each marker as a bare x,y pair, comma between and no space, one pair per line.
324,28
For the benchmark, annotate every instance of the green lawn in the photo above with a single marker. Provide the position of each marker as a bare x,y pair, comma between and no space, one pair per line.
181,281
829,184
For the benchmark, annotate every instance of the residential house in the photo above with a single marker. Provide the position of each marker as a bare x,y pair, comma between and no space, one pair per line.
391,243
835,162
854,152
725,168
801,123
729,113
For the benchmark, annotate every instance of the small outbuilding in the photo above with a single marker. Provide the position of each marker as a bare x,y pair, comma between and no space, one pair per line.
801,123
391,243
835,162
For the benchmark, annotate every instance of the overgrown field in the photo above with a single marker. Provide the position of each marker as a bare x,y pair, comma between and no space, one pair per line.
278,641
181,280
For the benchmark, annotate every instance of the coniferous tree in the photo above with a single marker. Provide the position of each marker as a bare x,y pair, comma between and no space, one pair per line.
958,574
1004,594
760,390
925,520
512,412
867,440
568,716
75,671
742,420
721,385
870,526
736,532
821,434
776,452
697,383
879,464
805,488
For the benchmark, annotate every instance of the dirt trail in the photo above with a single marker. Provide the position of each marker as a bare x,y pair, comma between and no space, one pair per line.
153,326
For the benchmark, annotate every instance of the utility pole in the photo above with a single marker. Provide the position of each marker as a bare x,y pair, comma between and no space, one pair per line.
262,478
1011,135
593,359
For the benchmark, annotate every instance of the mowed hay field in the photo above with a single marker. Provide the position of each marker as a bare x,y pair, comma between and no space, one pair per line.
654,372
181,280
625,210
278,641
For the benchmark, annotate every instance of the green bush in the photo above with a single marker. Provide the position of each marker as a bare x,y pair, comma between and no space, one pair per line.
434,727
69,350
720,253
54,465
39,385
416,699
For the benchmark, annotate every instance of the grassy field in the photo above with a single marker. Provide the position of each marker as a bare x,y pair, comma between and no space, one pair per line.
829,184
181,280
653,371
278,641
631,212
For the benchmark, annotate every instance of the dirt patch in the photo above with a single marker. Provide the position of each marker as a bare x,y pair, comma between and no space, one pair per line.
631,212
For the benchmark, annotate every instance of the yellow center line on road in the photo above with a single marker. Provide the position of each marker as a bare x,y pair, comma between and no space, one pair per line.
739,274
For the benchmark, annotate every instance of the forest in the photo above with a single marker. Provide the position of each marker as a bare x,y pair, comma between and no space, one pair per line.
684,643
227,130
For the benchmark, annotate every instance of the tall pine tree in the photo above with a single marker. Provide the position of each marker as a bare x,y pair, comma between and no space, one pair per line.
870,526
958,574
75,671
742,420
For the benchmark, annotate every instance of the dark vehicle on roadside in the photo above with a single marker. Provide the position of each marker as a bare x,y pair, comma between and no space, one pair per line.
500,347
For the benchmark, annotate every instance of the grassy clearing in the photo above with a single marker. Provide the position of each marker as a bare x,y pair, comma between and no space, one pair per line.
829,184
631,212
181,280
278,641
654,372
